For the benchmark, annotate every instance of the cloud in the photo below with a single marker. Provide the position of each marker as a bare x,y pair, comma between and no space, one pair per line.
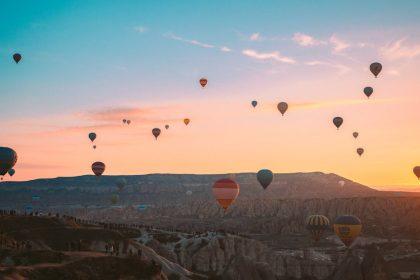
268,56
188,41
399,49
306,40
255,37
340,67
338,44
335,103
225,49
141,29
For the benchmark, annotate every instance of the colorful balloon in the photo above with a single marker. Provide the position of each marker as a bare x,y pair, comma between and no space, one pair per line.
254,103
186,121
338,121
282,107
355,134
11,172
92,136
375,68
203,82
265,177
98,168
416,171
156,132
17,57
360,151
167,126
8,158
316,225
347,228
225,191
368,91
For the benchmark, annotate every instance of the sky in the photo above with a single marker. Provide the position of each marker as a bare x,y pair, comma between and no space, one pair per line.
89,64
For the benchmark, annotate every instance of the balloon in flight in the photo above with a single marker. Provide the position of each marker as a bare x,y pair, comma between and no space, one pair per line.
360,151
124,121
121,183
11,172
167,126
156,132
316,225
341,183
265,177
98,168
347,228
355,134
8,158
92,136
225,191
188,193
17,57
338,121
128,121
368,91
282,107
416,171
203,82
375,68
186,121
254,103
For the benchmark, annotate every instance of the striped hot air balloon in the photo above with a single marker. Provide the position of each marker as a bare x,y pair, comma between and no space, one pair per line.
316,225
98,168
225,191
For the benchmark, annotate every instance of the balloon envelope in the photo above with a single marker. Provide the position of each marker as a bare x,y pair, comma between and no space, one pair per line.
98,168
124,120
11,172
225,191
316,225
203,82
416,171
341,183
128,121
92,136
8,158
347,228
338,121
368,91
188,193
156,132
254,103
360,151
186,121
265,177
375,68
17,57
282,107
355,134
167,126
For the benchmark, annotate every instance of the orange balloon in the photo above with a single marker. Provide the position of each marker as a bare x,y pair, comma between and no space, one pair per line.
186,121
225,191
203,82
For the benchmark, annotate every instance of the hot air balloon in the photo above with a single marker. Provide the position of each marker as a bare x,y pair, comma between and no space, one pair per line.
375,68
128,121
416,171
121,183
355,134
124,121
341,183
368,91
254,103
11,172
203,82
167,126
98,168
17,57
360,151
338,121
225,191
265,177
282,107
94,146
188,193
156,132
347,228
114,199
316,225
8,158
186,121
92,136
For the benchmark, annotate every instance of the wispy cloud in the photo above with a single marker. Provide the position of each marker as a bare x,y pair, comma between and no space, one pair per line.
335,103
340,67
141,29
306,40
338,44
400,49
255,37
225,49
276,56
188,41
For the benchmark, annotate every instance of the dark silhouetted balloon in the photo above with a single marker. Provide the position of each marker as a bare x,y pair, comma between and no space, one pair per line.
11,172
355,134
203,82
254,103
98,168
368,91
156,132
347,228
338,121
8,158
316,225
416,171
282,107
375,68
17,57
94,146
225,191
124,121
186,121
92,136
167,126
128,121
265,177
360,151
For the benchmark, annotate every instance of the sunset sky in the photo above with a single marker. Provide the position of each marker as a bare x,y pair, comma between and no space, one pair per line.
88,64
